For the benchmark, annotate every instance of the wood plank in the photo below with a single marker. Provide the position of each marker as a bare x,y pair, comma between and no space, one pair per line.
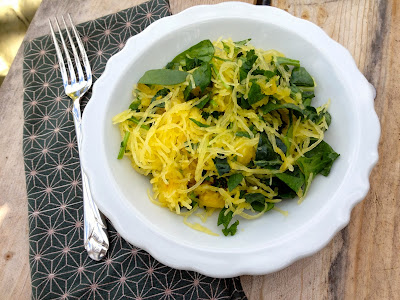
14,263
177,6
361,262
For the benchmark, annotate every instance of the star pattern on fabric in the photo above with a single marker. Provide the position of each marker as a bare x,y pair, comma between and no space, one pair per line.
60,266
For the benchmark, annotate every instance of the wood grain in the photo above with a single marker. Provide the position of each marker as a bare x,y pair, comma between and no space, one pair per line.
14,247
361,262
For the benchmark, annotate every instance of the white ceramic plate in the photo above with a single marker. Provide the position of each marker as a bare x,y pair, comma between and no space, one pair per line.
273,241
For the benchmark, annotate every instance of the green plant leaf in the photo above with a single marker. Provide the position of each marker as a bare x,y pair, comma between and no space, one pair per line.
159,95
247,63
266,157
199,123
135,104
257,201
202,51
294,180
287,61
270,106
242,134
123,145
242,43
203,102
234,181
202,76
225,219
300,77
163,77
319,160
231,229
222,165
255,94
136,121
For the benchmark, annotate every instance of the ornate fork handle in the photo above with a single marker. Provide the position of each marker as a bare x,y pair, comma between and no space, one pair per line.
95,229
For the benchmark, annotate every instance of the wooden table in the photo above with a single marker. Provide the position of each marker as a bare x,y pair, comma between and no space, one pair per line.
361,262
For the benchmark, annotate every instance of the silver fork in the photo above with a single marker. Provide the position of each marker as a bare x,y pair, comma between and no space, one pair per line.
95,230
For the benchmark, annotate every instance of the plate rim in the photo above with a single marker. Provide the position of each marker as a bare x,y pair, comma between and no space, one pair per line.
196,260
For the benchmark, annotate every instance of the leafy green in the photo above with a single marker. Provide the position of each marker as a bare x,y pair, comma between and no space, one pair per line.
220,58
202,52
199,123
257,201
220,182
123,145
247,63
267,74
266,157
243,103
328,118
307,94
242,43
135,104
159,95
284,191
242,133
203,102
269,206
287,61
222,165
191,63
226,47
192,196
187,91
239,43
309,112
319,160
136,121
307,102
231,229
225,219
300,77
202,79
255,94
254,197
270,106
163,77
294,180
234,181
281,145
202,76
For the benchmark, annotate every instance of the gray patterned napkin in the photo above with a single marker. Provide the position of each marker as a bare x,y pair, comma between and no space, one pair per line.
60,267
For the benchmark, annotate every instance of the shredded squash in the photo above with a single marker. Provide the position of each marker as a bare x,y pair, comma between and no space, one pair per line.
238,135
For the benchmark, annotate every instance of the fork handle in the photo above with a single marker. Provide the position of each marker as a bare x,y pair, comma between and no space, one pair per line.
95,229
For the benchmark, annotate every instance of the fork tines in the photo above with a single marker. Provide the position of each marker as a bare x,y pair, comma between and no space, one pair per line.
72,77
